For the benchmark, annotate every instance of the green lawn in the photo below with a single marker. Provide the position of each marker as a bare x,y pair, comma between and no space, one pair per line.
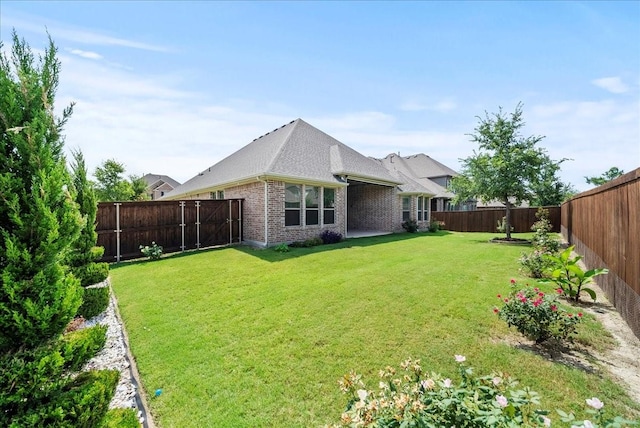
241,337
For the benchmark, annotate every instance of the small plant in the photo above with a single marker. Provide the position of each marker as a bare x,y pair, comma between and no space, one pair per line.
410,226
597,410
537,263
502,225
153,251
330,237
94,301
282,248
434,226
536,315
571,278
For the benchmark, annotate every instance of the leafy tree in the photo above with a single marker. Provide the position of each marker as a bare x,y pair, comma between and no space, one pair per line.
39,221
507,166
138,188
549,190
605,177
84,252
112,186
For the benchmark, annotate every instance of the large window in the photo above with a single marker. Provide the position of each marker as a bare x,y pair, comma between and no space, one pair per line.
329,213
311,205
423,208
292,204
406,208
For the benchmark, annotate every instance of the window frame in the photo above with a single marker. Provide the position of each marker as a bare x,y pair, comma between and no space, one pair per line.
288,218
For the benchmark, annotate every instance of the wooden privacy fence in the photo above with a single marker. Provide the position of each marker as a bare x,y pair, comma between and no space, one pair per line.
175,225
486,220
604,225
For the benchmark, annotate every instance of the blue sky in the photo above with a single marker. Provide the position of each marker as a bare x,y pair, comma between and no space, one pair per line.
174,87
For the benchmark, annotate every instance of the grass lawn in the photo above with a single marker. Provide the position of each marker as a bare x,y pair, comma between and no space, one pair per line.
241,337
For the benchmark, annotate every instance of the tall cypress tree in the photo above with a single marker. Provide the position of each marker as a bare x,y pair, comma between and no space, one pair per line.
38,217
84,251
39,221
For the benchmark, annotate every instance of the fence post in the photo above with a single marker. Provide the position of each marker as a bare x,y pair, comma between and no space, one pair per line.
182,203
198,224
118,231
230,221
239,220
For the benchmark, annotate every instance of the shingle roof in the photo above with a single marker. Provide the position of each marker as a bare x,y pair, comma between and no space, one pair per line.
152,179
424,166
295,151
410,170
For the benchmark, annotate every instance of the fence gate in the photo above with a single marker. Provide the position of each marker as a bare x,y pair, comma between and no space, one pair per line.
175,225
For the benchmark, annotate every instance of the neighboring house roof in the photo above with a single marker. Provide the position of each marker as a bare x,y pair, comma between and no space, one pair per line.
155,180
403,167
295,152
423,166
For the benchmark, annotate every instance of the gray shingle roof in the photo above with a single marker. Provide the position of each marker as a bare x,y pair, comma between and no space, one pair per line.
154,179
424,166
403,169
296,151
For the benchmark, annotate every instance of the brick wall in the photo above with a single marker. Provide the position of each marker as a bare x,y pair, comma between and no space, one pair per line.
253,209
372,207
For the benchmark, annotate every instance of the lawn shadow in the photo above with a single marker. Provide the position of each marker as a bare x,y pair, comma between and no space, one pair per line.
571,355
272,256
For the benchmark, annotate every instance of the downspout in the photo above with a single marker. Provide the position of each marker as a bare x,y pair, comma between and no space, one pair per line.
266,211
346,214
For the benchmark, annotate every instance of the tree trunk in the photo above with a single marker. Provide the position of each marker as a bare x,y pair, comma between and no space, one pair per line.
507,225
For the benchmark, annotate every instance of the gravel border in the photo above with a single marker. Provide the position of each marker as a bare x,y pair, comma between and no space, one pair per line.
115,355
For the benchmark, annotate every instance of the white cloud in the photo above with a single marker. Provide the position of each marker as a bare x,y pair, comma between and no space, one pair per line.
595,134
85,54
39,25
611,84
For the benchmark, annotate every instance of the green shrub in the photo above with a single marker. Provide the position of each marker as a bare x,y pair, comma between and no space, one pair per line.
121,418
94,301
282,248
434,226
91,273
330,237
82,345
537,315
536,264
83,403
153,251
410,226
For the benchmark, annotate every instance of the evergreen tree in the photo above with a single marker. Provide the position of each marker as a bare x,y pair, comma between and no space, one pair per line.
84,251
38,217
39,221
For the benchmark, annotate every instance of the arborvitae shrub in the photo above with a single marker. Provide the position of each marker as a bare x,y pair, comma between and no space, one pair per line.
82,345
82,404
94,302
121,418
92,273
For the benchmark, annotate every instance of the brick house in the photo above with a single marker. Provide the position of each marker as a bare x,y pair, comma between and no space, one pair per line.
297,181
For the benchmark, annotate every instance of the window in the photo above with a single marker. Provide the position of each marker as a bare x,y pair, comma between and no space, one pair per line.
423,208
406,208
329,213
217,195
292,204
311,201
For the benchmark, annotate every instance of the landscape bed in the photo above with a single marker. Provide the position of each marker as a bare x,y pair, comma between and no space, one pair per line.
247,337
